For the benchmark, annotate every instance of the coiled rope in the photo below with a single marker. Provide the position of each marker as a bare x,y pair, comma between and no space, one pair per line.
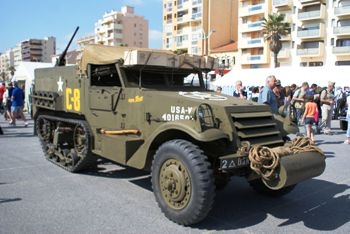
264,160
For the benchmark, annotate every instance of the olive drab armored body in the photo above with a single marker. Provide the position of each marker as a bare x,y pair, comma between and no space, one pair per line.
152,110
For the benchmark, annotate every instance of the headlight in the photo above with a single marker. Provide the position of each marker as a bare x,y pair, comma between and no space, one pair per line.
204,114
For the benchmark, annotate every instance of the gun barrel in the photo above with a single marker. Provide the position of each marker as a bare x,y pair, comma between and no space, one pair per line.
61,61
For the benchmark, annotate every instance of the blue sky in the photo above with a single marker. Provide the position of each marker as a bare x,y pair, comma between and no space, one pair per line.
40,18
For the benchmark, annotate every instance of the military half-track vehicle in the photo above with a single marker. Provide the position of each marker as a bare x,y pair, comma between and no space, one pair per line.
151,110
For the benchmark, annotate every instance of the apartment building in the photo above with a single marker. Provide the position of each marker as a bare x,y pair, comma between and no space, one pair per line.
253,48
86,40
122,28
320,33
6,61
34,50
199,26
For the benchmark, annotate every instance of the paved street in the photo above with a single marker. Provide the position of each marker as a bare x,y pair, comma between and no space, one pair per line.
38,197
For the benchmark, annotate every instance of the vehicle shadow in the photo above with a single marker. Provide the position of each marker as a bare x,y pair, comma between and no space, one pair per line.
330,142
109,170
318,204
329,154
5,200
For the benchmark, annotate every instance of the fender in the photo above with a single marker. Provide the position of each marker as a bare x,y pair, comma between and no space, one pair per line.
187,127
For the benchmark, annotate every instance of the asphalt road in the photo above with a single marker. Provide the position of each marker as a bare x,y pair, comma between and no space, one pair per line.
38,197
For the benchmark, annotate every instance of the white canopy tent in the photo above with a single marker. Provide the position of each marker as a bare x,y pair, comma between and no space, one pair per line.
25,72
318,75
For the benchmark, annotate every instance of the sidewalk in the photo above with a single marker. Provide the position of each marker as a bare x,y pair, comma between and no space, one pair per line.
19,130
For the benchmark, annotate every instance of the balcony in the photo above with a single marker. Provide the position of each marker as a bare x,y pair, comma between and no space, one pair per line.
286,38
312,15
311,52
282,3
196,16
254,59
183,19
252,10
250,27
252,42
283,54
195,2
342,11
341,50
341,31
312,33
307,1
33,53
180,31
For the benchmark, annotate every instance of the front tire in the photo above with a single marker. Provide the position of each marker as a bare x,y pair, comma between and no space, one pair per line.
259,187
183,182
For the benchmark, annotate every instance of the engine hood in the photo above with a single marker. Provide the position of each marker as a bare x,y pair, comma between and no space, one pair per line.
211,98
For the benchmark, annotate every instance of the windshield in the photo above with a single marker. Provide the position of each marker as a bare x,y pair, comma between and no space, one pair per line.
162,78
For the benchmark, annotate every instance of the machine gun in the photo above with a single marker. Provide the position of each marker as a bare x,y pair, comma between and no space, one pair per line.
61,61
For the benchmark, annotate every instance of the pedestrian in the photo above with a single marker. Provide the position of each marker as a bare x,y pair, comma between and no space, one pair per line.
24,96
17,104
7,101
347,141
310,115
2,91
278,91
219,89
327,106
267,96
298,99
293,88
255,94
287,98
239,90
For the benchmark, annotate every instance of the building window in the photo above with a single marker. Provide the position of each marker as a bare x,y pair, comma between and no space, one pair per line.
342,63
303,64
315,64
332,41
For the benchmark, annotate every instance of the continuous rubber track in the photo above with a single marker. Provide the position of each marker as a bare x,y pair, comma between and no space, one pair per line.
86,159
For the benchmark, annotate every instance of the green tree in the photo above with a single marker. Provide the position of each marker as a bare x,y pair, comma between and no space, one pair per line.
12,70
3,75
273,28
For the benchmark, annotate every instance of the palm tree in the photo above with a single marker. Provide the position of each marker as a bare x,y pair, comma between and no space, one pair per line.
273,28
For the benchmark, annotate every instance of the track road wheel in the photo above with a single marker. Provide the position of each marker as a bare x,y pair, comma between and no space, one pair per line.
71,160
183,182
259,187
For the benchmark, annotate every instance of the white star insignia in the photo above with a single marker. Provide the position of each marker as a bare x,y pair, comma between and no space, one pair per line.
60,85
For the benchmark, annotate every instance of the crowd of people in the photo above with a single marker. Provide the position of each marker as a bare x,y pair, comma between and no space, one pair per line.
12,103
312,105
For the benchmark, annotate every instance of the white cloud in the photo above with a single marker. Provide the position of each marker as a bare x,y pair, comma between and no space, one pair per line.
155,38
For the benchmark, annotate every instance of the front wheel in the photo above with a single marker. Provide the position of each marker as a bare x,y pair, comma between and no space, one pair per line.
183,182
259,187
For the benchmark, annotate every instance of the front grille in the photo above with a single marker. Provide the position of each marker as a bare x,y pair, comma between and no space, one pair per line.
259,128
